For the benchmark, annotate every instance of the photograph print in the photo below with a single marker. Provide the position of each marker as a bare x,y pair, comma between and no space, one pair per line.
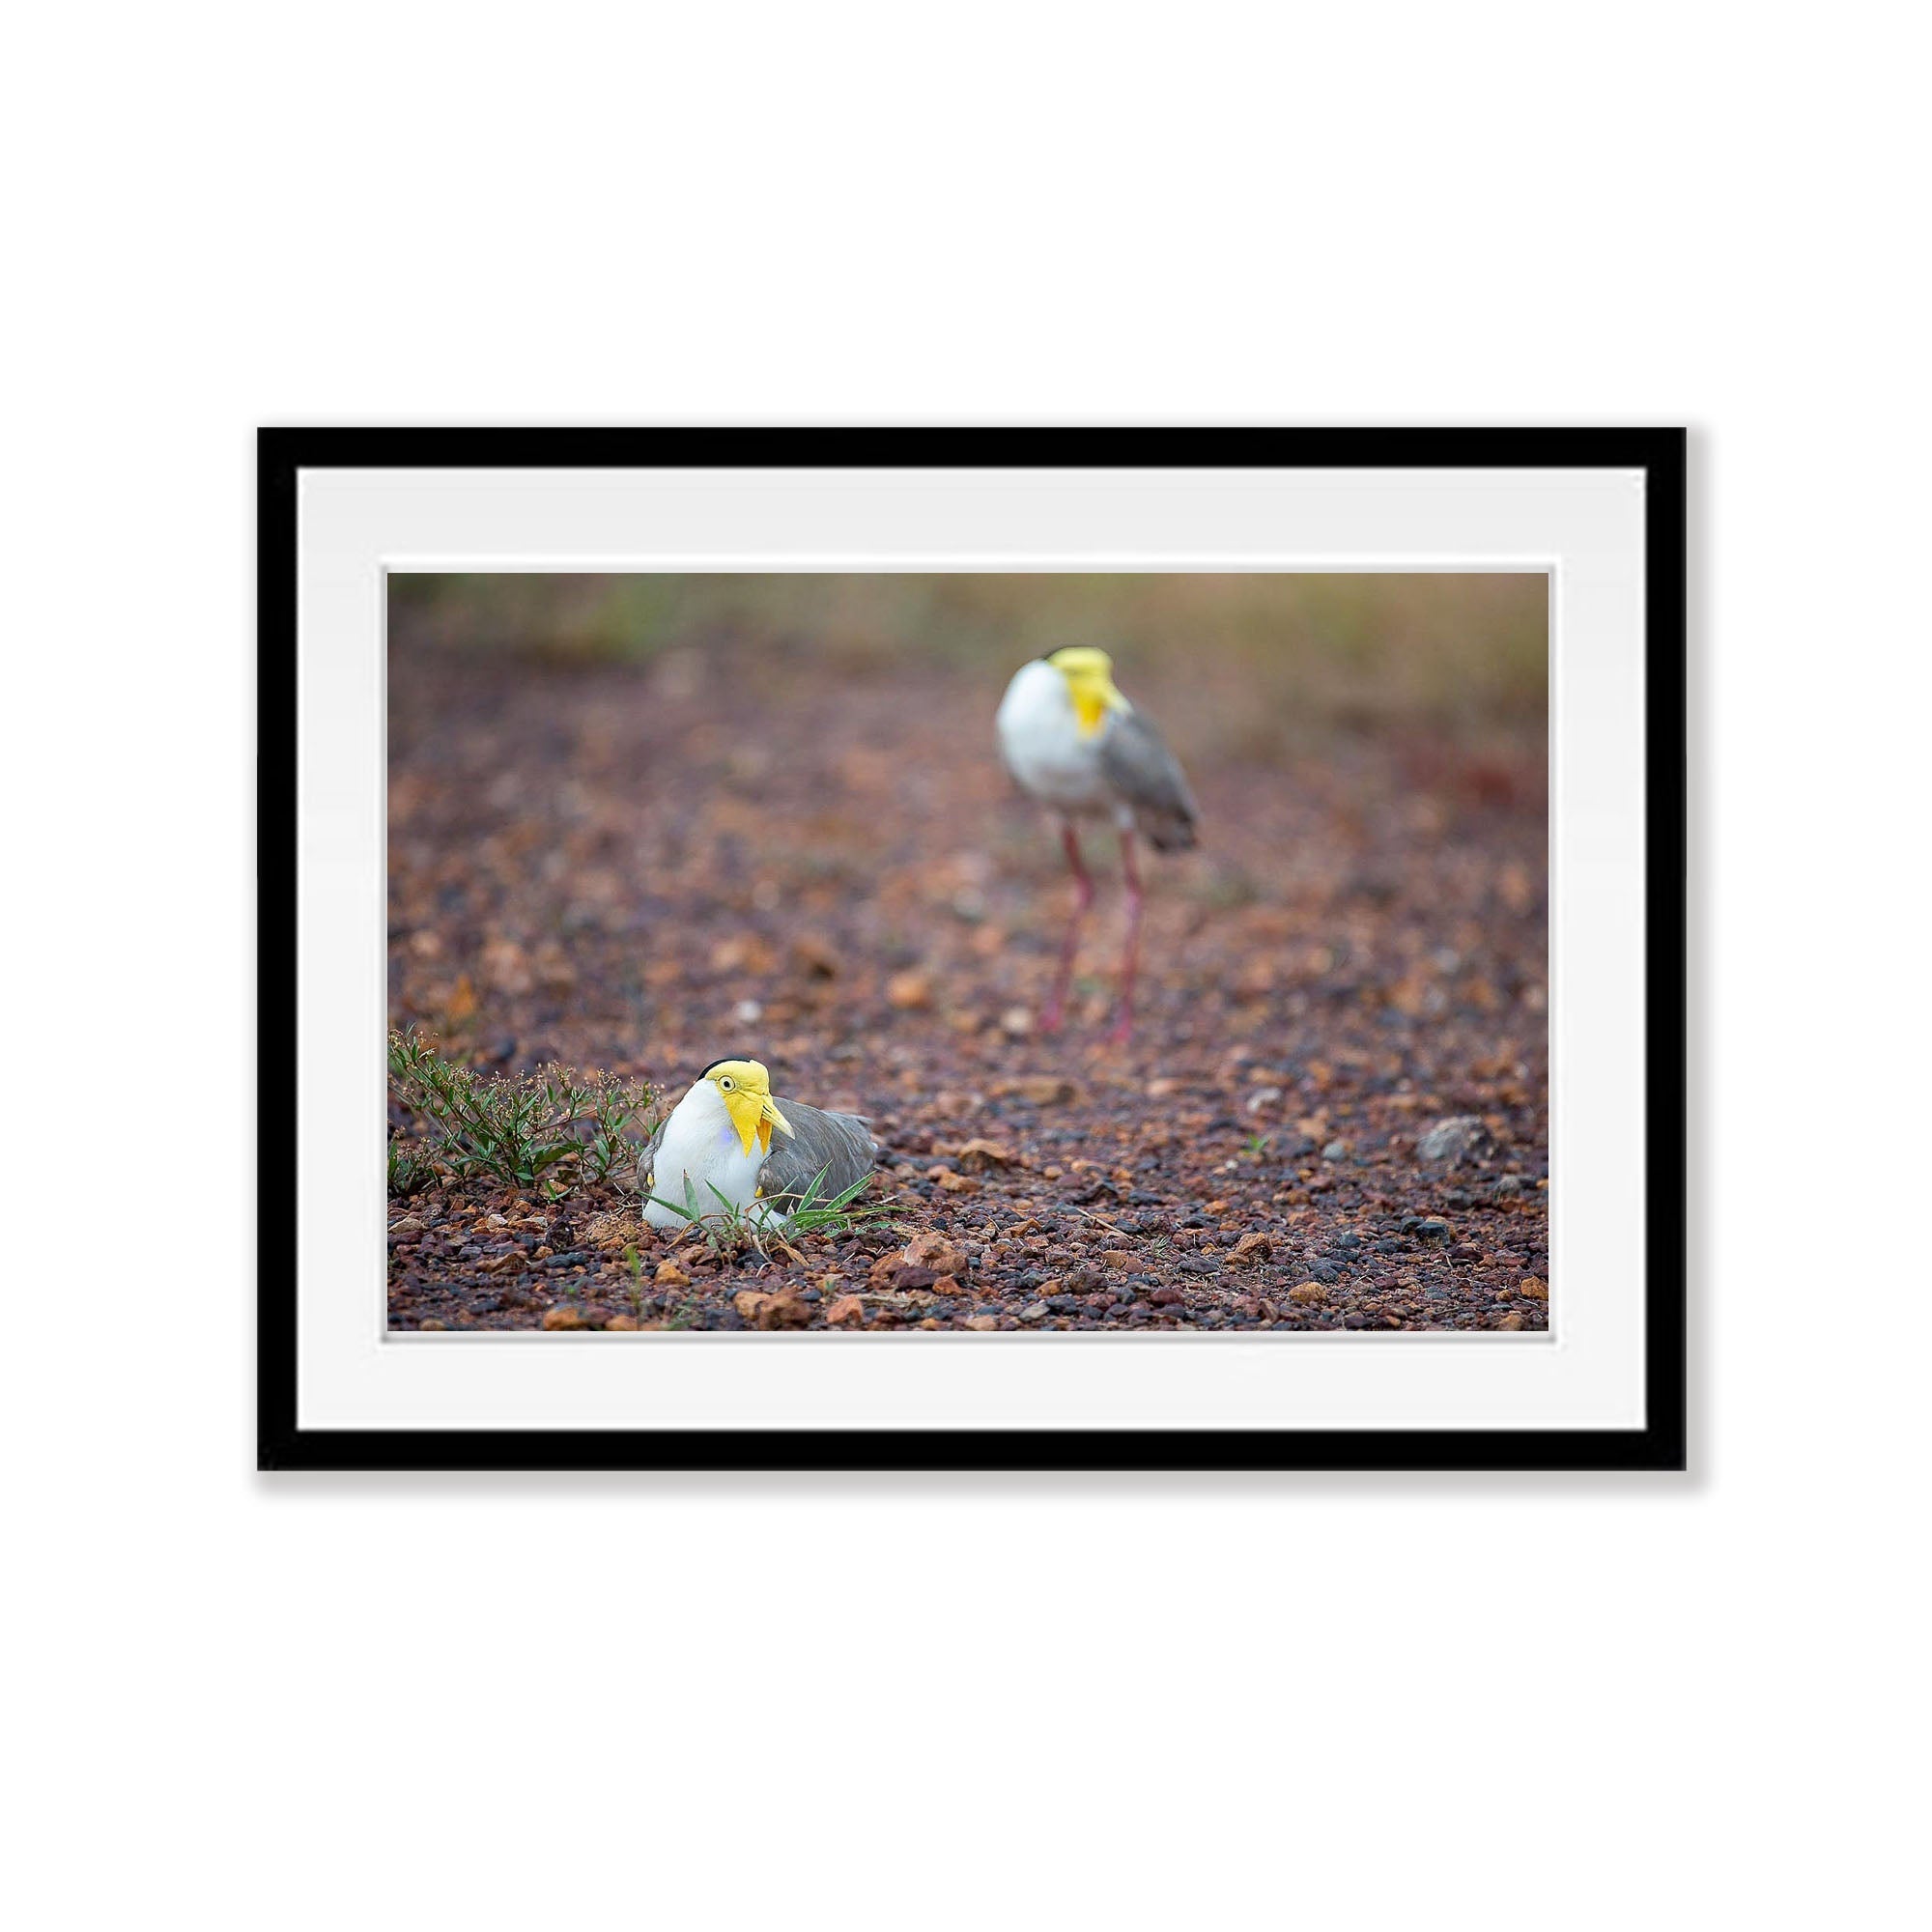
977,955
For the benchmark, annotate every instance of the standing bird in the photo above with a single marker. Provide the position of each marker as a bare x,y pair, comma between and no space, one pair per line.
721,1136
1071,741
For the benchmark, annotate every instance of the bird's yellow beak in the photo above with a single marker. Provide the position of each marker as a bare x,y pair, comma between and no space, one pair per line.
1089,683
1091,706
755,1115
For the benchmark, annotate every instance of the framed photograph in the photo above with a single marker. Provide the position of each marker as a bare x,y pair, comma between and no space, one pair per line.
972,949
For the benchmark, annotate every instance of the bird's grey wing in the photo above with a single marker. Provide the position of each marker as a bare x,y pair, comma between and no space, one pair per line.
837,1145
1148,778
647,1156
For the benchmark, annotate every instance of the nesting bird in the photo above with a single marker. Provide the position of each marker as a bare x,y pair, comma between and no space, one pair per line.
729,1144
1073,742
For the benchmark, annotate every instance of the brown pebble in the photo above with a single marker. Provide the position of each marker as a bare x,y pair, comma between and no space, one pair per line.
784,1310
977,1156
909,991
933,1250
1043,1089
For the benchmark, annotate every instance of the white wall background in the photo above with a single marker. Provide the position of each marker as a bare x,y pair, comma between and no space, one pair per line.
236,1702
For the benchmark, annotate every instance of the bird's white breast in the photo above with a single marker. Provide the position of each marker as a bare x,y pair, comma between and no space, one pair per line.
700,1145
1041,741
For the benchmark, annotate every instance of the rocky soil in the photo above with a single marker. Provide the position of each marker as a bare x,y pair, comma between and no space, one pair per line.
1333,1113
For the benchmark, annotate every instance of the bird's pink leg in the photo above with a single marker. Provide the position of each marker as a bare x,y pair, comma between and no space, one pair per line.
1130,871
1083,897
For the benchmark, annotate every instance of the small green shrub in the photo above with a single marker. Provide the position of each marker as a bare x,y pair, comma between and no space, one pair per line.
409,1172
542,1132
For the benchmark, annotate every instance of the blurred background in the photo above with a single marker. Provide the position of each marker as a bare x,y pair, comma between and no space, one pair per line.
1313,653
637,822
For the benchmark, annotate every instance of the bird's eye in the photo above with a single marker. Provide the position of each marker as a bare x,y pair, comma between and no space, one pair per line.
725,1081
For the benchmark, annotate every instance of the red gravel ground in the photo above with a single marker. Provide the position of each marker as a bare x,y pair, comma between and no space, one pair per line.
642,866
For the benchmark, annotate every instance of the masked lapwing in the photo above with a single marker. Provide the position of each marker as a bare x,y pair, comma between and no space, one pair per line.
728,1146
1072,741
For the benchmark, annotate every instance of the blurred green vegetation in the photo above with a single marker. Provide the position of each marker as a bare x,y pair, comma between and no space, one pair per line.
1339,649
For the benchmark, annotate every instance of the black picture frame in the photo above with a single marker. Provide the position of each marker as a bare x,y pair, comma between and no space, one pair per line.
1660,1444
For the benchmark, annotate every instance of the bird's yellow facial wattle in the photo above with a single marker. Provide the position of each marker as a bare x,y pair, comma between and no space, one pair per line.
1089,681
746,1089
